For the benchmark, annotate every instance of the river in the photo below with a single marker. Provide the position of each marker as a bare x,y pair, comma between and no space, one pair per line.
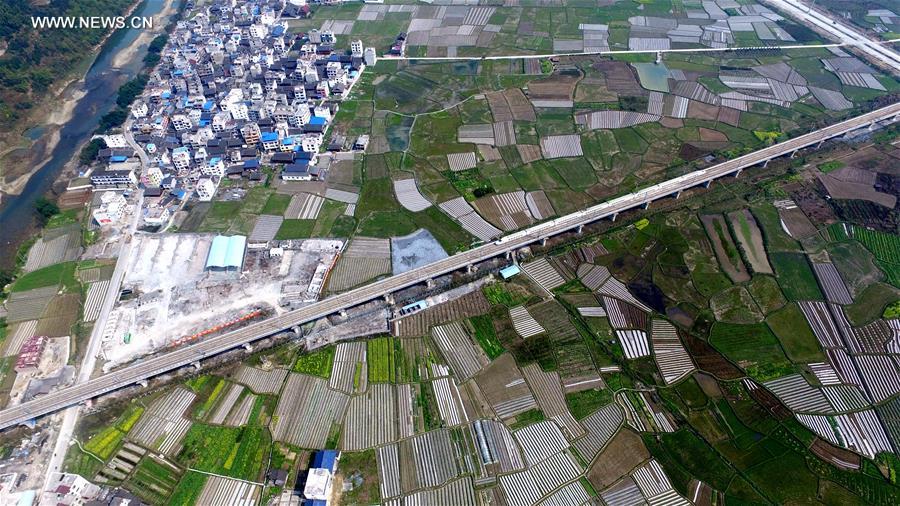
99,89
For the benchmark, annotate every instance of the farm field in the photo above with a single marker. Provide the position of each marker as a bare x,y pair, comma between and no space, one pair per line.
736,344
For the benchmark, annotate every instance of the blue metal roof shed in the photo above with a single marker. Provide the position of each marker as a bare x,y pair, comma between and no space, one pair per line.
325,459
226,253
508,272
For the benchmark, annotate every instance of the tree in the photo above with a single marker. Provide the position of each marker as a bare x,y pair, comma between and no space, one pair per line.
45,209
90,150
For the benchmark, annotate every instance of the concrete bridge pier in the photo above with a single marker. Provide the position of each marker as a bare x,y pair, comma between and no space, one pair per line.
389,298
544,241
343,313
738,173
196,365
766,163
707,184
580,229
677,195
819,145
872,125
645,205
143,383
429,283
509,255
794,153
470,269
296,330
614,216
248,347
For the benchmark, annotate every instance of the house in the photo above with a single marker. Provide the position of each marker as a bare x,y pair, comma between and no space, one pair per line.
69,490
320,478
370,56
399,45
337,143
30,353
269,141
283,157
276,477
154,176
362,142
119,177
181,158
215,167
206,188
299,171
112,206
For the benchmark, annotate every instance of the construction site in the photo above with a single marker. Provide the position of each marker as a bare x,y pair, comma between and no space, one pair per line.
182,287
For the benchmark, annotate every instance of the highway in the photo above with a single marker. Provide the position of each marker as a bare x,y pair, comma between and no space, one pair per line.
186,355
827,23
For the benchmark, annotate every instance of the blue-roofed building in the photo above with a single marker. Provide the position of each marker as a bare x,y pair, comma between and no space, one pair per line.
320,478
226,253
325,459
269,140
300,170
117,159
508,272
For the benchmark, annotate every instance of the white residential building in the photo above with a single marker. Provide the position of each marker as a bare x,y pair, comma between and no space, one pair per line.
300,116
181,122
356,48
323,111
240,112
154,176
370,56
112,207
206,189
311,142
139,109
333,69
181,158
215,167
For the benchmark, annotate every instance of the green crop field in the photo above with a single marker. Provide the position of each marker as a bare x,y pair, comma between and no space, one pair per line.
188,490
585,402
795,276
316,363
797,338
235,452
380,359
753,347
277,204
295,229
52,275
487,336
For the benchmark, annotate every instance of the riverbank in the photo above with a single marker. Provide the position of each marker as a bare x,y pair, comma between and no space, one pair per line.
46,168
21,157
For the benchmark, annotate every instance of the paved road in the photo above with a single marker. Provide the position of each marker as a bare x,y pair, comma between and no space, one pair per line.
186,355
829,23
129,138
69,417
